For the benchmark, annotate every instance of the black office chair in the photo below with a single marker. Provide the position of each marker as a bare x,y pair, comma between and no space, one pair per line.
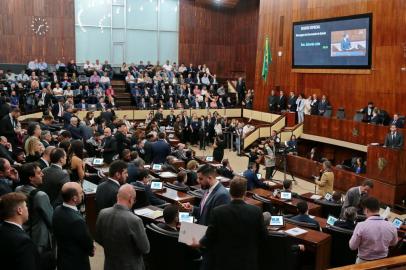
278,252
167,253
141,198
302,224
339,240
175,187
358,117
328,112
329,208
340,114
267,205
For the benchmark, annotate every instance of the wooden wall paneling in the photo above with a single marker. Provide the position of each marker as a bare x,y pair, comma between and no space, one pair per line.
18,42
386,85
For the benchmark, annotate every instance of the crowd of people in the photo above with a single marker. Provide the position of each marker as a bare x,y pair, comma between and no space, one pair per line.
90,86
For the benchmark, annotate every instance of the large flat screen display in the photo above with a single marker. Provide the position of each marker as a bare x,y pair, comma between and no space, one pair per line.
343,42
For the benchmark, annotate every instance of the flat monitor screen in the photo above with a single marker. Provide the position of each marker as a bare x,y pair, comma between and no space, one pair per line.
259,176
97,161
185,217
397,223
343,42
276,221
156,185
286,195
328,196
331,220
156,167
209,159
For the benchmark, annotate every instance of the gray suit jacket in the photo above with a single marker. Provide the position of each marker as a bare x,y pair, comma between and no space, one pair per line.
41,218
123,237
52,182
352,198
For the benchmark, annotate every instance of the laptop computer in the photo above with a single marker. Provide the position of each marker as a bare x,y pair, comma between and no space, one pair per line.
328,196
97,161
287,196
185,217
331,220
155,185
156,167
397,223
276,223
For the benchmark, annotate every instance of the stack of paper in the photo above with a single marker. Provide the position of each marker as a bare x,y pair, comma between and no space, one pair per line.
315,197
295,231
191,232
149,213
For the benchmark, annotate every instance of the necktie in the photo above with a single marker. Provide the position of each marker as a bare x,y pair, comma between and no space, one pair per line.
393,136
203,202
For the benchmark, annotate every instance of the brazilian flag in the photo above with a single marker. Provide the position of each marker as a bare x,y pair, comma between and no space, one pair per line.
267,59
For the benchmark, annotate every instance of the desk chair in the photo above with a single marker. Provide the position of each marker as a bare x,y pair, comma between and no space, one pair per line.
329,208
328,112
302,224
267,205
343,255
340,114
167,253
277,252
141,198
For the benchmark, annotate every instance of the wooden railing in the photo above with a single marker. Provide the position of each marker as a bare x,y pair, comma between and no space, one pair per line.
392,263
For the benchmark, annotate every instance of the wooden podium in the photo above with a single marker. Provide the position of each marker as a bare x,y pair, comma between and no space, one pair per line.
387,167
290,119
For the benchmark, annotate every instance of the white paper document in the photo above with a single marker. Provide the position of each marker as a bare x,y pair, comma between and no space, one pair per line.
189,231
315,197
146,212
295,231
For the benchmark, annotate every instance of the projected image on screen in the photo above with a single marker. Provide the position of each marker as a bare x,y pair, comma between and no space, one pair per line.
343,42
349,43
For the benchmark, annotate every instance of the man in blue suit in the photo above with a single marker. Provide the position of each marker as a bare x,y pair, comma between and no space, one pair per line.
160,149
215,194
252,179
303,215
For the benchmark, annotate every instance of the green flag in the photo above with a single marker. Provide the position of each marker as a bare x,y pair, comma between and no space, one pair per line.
267,59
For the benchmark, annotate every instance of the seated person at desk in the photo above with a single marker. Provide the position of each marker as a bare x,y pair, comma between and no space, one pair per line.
171,217
169,165
396,121
225,169
336,198
394,139
303,215
287,187
143,182
326,182
181,179
348,221
358,166
252,179
292,145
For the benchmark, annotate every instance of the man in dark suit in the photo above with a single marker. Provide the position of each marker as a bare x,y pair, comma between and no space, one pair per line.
82,105
109,144
106,192
170,119
160,149
287,187
396,121
368,111
292,102
322,106
354,196
273,101
159,117
122,234
303,215
148,148
394,139
143,182
74,129
17,250
73,239
9,126
281,102
4,150
58,110
240,88
215,194
171,218
225,170
235,232
122,141
54,177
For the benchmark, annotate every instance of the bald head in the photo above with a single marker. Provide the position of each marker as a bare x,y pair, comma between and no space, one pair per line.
126,195
72,193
